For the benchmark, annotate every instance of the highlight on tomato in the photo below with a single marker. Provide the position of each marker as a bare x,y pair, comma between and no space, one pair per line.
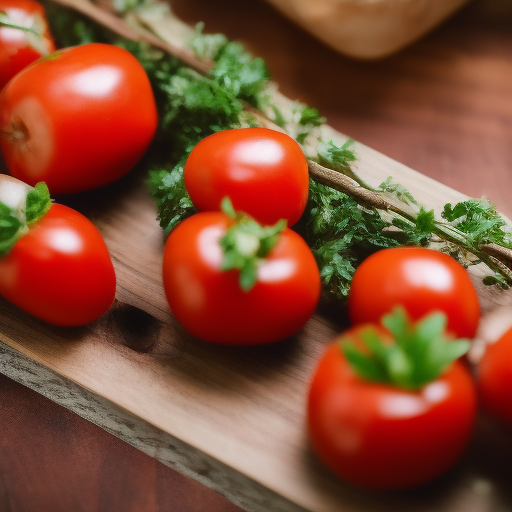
494,378
24,36
230,280
264,172
392,409
54,263
422,280
78,119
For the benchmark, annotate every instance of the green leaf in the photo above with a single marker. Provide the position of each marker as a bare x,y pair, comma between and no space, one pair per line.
479,220
38,203
310,116
397,190
168,190
206,46
425,221
337,157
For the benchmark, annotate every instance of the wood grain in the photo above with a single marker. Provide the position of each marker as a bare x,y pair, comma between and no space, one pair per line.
242,410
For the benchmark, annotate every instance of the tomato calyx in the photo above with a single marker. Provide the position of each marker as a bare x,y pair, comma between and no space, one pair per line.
20,207
246,244
419,354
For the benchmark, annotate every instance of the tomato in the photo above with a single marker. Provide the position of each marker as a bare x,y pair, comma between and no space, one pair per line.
60,271
19,48
78,119
382,437
264,173
494,378
422,280
210,303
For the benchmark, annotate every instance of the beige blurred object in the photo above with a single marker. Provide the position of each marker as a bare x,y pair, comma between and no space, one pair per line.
368,29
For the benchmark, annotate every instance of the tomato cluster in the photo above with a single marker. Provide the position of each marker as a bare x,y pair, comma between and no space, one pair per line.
366,421
77,119
254,167
391,403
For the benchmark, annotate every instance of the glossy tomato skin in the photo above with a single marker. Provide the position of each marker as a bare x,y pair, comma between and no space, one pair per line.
379,437
210,304
17,48
494,378
422,280
78,119
262,171
60,271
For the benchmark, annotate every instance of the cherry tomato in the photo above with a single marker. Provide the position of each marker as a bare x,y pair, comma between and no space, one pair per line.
19,48
209,302
381,437
78,119
495,378
60,271
422,280
264,173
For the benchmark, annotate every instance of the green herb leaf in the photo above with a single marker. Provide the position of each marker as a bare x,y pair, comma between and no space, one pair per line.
480,221
337,157
397,190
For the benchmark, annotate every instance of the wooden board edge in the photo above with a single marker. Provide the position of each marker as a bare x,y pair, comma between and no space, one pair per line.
167,449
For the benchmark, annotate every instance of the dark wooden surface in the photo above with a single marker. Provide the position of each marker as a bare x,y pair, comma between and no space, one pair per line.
443,107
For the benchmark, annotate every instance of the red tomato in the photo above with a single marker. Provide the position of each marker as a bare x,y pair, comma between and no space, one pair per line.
210,304
422,280
78,119
20,48
495,378
60,271
382,437
264,173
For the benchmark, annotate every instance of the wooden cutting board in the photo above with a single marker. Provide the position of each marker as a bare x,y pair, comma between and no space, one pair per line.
231,418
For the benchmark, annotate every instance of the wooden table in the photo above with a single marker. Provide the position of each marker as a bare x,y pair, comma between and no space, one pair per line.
442,106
